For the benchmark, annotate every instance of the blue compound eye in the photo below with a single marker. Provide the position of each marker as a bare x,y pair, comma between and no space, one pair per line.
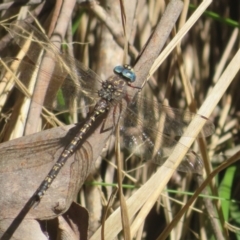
126,72
118,69
129,74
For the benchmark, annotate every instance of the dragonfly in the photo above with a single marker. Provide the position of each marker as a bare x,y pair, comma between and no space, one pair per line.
137,116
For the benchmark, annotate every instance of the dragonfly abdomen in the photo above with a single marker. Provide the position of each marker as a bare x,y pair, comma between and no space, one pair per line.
100,108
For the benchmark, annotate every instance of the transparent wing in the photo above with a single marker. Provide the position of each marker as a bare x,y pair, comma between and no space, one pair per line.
144,145
150,130
164,119
61,92
72,77
24,163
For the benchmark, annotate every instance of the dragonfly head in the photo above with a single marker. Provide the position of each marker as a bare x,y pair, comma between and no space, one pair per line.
126,72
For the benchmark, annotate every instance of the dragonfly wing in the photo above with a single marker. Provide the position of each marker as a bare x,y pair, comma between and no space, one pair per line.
174,121
61,93
144,146
76,80
145,139
24,163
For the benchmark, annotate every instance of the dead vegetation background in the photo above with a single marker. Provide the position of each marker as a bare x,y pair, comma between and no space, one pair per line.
92,32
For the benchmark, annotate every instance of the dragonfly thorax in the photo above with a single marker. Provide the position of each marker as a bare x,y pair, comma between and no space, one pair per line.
112,89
